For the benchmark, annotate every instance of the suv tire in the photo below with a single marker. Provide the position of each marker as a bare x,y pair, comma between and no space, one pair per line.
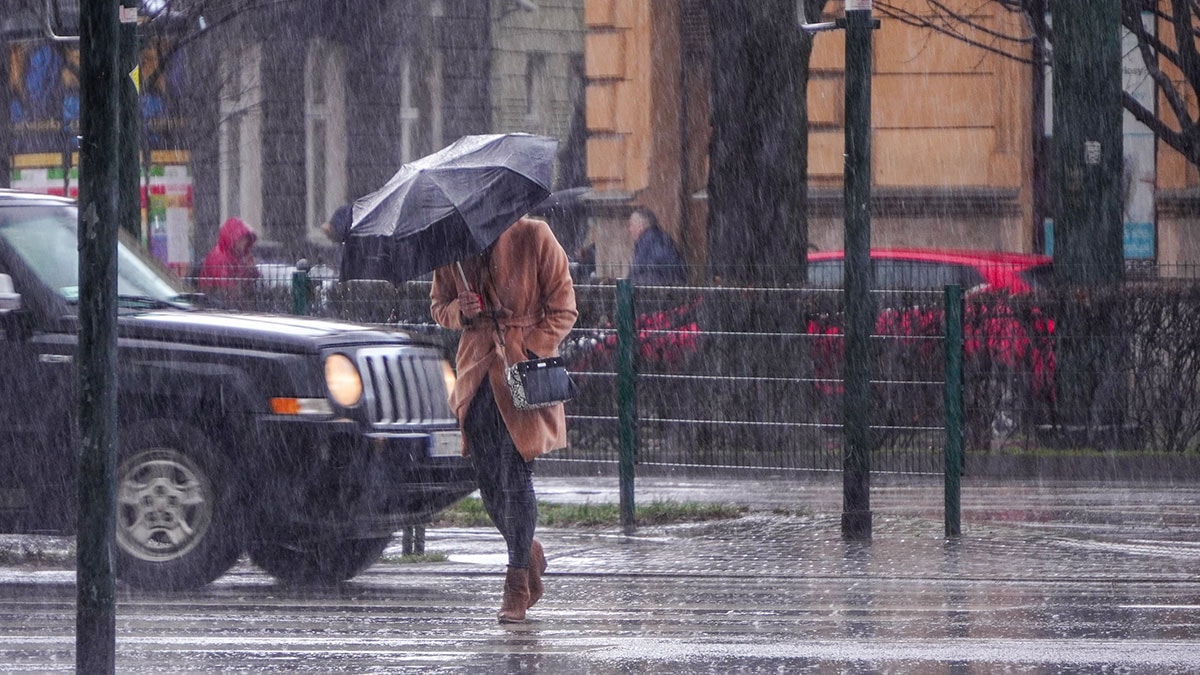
176,512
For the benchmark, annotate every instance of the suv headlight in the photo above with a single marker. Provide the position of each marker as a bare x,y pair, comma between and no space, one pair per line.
343,380
449,376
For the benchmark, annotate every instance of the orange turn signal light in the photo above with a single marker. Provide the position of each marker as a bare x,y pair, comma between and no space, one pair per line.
300,406
285,406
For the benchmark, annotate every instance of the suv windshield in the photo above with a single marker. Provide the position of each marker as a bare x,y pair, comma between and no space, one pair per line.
45,237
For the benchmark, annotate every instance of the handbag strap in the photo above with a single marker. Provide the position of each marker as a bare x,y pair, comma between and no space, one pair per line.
500,342
486,288
483,275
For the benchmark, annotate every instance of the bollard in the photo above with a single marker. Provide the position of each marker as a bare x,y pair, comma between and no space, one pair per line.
954,410
412,540
626,401
300,288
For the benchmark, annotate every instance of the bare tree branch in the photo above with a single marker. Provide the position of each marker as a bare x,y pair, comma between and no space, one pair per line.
1177,124
951,24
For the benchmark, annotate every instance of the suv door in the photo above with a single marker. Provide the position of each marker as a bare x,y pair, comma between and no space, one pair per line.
37,406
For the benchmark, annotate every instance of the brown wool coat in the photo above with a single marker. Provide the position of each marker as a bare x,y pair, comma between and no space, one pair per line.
527,285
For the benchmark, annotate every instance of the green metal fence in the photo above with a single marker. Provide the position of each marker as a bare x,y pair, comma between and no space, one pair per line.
707,376
745,378
751,377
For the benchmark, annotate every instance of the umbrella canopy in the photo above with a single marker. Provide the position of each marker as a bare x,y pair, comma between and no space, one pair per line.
450,205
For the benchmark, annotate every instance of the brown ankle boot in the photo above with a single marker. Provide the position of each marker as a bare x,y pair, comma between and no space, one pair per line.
537,567
516,596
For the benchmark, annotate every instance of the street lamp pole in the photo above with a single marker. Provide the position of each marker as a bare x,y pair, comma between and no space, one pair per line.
860,313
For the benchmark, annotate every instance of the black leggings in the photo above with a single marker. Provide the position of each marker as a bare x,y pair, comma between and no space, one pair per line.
505,479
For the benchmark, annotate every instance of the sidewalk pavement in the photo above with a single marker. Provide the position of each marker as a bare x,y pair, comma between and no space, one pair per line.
1047,577
1044,532
1026,529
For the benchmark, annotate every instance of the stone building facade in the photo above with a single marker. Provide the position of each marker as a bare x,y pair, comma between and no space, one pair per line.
280,112
955,162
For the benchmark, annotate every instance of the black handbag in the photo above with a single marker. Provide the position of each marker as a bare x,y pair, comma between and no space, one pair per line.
535,383
539,383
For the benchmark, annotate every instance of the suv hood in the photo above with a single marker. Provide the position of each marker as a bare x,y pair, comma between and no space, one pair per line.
236,329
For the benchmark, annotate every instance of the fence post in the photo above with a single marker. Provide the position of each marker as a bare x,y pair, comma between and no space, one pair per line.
300,288
954,409
626,401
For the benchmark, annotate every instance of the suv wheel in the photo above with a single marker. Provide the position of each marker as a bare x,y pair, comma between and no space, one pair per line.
317,563
176,525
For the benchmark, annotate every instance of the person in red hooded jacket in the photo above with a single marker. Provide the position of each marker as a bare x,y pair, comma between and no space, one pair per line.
228,270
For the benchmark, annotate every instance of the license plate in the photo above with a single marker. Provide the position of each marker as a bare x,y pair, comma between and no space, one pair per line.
445,444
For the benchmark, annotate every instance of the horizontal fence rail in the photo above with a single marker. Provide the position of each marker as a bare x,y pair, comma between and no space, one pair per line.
752,377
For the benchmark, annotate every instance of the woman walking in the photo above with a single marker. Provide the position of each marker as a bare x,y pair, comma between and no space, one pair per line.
513,302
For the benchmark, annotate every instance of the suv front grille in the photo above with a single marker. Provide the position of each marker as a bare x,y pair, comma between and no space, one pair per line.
404,386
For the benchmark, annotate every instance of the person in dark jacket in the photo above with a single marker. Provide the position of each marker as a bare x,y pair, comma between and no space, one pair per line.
656,261
337,229
361,257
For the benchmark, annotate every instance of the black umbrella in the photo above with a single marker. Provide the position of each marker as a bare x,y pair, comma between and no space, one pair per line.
449,206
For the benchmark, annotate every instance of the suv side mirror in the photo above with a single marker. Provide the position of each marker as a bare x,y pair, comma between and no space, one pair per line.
9,298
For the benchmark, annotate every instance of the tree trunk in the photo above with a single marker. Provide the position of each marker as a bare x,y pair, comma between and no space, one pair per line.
758,171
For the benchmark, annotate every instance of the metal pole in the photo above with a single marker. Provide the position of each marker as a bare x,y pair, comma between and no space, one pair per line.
954,410
626,401
860,313
99,96
130,122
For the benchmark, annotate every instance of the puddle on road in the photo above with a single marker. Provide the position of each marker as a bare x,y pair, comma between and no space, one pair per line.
492,559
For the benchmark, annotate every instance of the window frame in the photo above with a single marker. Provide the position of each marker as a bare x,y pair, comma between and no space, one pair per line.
240,153
325,156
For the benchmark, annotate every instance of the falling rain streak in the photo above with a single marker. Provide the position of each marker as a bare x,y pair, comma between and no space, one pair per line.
816,190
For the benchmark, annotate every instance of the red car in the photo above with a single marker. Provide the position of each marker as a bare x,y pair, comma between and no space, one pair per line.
914,268
995,335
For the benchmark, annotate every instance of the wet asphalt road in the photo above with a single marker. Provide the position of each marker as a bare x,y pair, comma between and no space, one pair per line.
1047,578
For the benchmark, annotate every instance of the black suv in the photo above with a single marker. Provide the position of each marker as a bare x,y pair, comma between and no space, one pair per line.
305,443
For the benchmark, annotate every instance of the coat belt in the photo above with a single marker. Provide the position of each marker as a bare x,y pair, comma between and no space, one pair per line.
506,323
526,321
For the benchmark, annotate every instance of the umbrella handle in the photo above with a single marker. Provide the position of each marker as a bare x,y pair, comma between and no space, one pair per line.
461,273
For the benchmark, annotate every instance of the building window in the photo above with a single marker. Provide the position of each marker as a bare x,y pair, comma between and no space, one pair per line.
536,91
410,114
437,98
435,78
240,135
324,133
